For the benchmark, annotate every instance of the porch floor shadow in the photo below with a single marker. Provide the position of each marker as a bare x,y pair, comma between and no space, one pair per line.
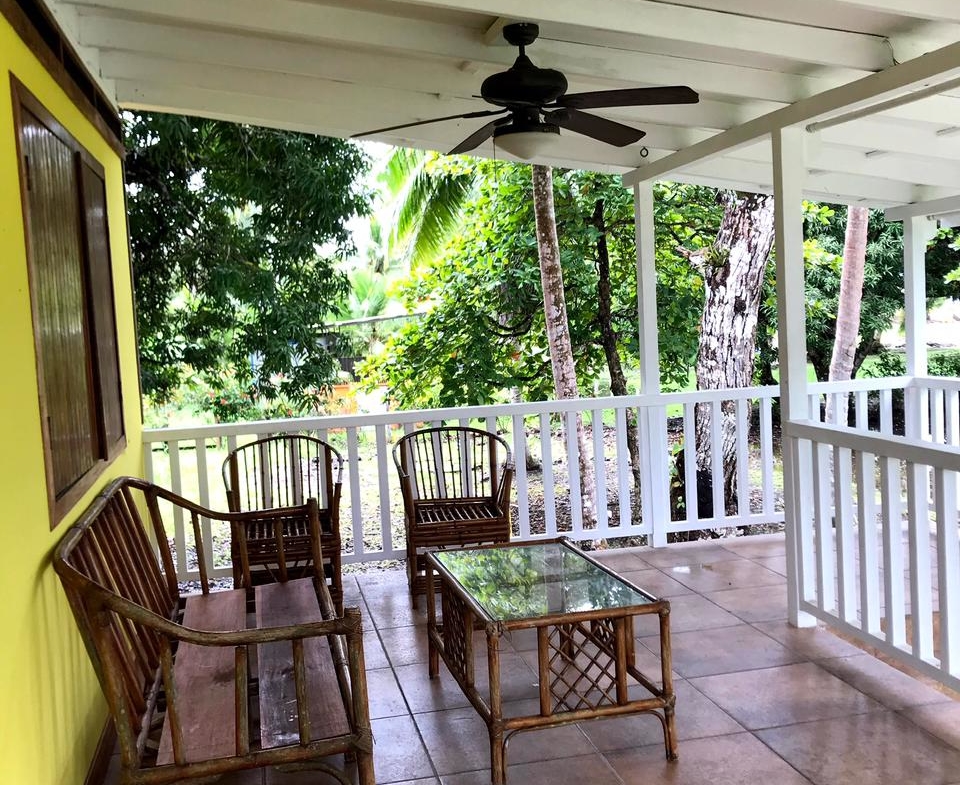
757,700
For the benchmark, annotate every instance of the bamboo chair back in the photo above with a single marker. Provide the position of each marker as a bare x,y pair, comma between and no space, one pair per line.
456,484
286,471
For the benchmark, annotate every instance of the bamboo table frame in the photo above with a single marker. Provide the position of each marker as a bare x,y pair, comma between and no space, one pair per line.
584,657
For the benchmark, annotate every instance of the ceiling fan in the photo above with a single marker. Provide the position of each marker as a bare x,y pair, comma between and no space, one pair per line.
534,105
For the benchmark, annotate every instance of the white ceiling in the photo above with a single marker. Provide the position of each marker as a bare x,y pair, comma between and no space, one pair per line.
339,67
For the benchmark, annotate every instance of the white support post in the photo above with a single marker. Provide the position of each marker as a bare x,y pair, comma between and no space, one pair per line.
917,231
788,175
655,476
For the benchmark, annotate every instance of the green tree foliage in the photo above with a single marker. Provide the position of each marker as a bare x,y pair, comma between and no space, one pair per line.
686,221
427,193
226,224
882,284
483,328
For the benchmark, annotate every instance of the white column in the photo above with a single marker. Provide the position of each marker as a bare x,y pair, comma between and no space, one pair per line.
788,177
917,231
655,475
647,288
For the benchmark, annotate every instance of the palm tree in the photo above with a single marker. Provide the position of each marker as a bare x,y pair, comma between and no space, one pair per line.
848,306
426,200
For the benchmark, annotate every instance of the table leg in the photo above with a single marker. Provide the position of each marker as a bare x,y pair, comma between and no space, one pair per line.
498,762
666,663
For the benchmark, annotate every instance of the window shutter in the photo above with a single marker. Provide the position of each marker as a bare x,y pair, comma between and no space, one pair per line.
102,312
59,291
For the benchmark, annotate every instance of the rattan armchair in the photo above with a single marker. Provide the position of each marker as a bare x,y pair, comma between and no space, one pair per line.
455,483
285,471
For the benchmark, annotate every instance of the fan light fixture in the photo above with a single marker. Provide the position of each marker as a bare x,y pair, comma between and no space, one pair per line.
527,142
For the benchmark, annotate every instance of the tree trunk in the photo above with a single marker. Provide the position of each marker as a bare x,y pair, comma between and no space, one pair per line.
608,339
848,309
558,330
733,277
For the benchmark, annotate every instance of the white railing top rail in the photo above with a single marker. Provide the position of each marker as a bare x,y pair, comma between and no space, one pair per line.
896,447
332,422
860,385
936,382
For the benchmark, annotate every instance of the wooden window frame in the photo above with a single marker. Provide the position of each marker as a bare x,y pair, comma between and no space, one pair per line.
105,451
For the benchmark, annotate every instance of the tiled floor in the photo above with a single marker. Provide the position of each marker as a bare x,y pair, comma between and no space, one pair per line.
757,700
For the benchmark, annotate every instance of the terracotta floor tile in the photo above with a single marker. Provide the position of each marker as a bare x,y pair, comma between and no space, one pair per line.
719,575
752,605
583,770
384,695
393,609
724,650
374,656
398,752
878,748
756,547
621,559
686,553
812,643
739,759
404,645
696,717
784,695
777,564
657,583
458,741
687,612
426,694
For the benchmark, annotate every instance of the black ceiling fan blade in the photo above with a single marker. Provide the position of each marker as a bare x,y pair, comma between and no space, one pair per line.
467,116
631,96
599,128
478,137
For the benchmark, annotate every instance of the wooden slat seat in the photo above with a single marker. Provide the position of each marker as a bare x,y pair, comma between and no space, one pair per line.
207,676
284,604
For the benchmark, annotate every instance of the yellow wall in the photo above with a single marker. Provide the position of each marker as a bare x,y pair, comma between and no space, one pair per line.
51,709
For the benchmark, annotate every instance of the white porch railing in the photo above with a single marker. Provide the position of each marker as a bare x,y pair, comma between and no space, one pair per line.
879,554
548,491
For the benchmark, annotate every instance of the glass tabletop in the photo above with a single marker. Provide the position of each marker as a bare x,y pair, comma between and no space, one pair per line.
528,581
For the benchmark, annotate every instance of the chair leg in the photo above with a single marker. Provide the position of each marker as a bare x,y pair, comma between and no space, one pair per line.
336,580
236,567
412,570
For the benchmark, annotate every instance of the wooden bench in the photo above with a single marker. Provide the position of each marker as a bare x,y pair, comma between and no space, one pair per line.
198,685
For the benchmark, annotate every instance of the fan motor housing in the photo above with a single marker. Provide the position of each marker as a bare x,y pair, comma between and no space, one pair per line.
524,84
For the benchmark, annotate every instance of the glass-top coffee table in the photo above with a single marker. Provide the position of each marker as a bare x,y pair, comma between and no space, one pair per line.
583,616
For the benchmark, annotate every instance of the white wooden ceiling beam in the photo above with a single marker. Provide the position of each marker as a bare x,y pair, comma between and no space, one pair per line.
936,10
763,89
683,24
434,80
152,35
903,138
927,171
942,65
829,187
351,111
933,208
